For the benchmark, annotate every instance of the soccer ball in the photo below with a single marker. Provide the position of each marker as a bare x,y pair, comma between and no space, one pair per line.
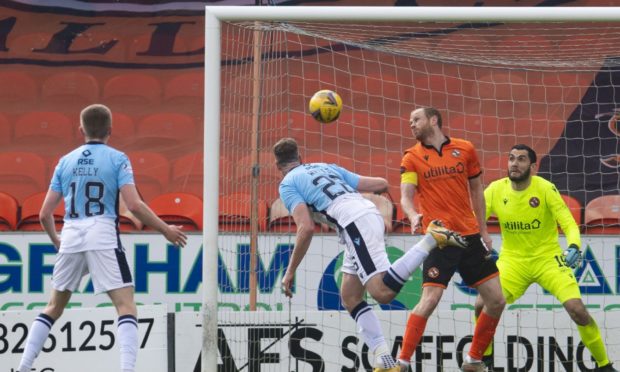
325,106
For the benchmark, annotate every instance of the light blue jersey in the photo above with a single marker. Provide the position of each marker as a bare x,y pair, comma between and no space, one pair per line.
90,178
316,184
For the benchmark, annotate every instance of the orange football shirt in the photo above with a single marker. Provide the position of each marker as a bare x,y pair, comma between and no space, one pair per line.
442,180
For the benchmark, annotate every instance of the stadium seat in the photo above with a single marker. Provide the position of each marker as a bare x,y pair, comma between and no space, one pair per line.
185,93
268,179
602,215
30,208
8,212
179,209
18,92
132,93
70,89
235,213
127,222
151,172
45,132
575,208
22,174
5,130
165,130
385,206
187,173
123,130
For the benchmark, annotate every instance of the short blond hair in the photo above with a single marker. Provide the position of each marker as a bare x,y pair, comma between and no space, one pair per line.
96,121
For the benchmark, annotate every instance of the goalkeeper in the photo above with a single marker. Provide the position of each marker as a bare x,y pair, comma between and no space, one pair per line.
529,209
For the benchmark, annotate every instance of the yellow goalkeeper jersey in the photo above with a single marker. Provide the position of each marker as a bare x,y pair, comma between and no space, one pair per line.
529,218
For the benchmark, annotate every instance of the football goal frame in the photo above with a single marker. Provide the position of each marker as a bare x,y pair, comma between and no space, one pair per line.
214,15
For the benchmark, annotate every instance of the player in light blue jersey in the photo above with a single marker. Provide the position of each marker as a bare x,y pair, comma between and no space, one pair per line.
91,179
329,193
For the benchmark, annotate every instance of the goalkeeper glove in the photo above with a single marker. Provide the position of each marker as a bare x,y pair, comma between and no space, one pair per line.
572,256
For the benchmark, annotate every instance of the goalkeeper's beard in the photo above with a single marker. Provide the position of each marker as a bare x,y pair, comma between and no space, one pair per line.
521,178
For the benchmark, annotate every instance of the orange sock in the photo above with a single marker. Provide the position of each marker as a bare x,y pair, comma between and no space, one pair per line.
483,335
415,329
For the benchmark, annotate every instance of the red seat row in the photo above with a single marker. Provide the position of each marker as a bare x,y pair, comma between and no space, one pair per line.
601,215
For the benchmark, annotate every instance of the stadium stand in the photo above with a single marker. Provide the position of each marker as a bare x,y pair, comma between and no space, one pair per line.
9,209
602,215
179,209
44,132
5,130
123,131
132,93
164,130
235,213
30,208
18,91
151,172
184,93
76,88
22,174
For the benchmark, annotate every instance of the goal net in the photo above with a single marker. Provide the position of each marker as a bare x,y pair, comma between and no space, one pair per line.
550,85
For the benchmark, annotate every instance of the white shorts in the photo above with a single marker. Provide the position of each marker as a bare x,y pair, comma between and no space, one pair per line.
89,234
108,270
365,254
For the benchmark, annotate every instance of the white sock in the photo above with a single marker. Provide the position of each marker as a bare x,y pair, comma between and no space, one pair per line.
401,269
428,243
127,333
37,335
469,359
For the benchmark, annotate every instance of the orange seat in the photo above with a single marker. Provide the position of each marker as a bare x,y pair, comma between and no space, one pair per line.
151,173
123,130
45,131
179,209
8,212
575,208
31,207
5,130
133,93
187,173
77,89
602,215
163,129
22,174
235,213
185,93
18,91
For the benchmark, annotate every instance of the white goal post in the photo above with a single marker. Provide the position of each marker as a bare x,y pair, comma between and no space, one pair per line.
214,15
